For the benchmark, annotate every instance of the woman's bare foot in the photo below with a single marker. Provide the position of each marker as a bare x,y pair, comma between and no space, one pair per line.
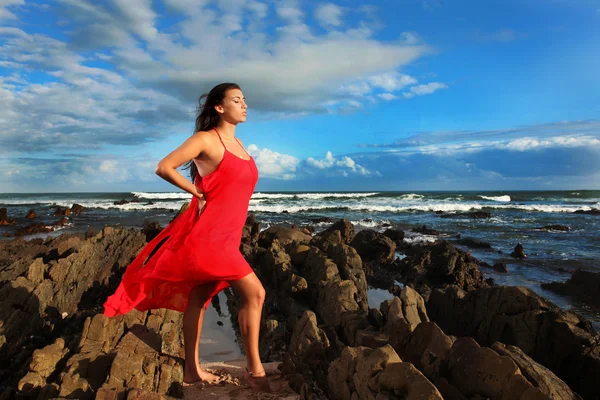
199,375
258,381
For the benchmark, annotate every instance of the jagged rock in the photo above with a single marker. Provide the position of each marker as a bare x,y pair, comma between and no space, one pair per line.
348,262
341,372
335,299
374,246
479,371
561,228
593,211
441,264
30,229
30,215
77,208
376,317
403,314
62,211
427,348
368,367
540,376
582,284
346,230
251,231
500,267
283,234
518,252
306,334
4,220
351,323
397,236
425,230
474,243
560,340
372,339
403,378
151,229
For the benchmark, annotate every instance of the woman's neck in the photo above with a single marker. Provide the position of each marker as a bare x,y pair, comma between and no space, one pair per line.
226,129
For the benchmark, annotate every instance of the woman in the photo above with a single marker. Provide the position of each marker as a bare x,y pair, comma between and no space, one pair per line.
199,255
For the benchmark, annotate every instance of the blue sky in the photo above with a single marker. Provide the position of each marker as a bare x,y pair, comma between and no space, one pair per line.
345,95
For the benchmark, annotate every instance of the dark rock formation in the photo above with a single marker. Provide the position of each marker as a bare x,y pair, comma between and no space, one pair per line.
4,220
518,252
560,340
584,285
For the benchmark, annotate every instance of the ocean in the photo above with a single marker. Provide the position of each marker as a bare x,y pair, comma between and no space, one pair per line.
515,217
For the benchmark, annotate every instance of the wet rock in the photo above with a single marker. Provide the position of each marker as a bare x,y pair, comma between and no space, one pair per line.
425,230
33,228
4,220
500,267
582,284
61,222
518,252
120,202
593,211
474,243
62,211
561,228
374,246
30,214
438,265
397,236
321,220
77,208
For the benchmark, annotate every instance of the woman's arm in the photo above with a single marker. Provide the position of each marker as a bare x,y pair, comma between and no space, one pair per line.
167,167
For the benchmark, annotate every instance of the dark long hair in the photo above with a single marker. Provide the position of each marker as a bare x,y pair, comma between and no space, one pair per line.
208,117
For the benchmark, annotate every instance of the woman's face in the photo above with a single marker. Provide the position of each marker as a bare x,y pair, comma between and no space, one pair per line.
234,106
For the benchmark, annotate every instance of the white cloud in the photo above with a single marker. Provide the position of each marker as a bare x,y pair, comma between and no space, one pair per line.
4,12
387,96
272,164
289,10
138,16
527,143
329,15
391,81
342,166
421,90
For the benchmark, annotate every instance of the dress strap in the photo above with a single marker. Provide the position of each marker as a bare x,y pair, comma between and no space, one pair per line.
218,134
243,147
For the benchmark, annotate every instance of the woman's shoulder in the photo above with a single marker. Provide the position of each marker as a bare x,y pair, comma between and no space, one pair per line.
207,137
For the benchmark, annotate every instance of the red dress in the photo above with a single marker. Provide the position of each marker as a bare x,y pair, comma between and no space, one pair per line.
199,249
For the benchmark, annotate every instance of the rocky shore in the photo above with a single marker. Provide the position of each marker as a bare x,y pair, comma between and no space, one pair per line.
447,332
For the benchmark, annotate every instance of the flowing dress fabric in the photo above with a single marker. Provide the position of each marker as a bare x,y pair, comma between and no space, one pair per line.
198,249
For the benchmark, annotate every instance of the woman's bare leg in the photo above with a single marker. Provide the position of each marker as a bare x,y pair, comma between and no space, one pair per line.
192,328
253,296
